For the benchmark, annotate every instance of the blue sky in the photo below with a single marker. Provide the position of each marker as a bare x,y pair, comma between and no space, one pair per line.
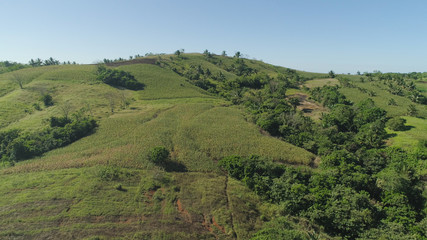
342,35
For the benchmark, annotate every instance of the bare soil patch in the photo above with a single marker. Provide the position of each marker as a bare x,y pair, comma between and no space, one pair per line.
309,107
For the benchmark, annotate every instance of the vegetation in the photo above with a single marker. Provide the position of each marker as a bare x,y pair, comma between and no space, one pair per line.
396,124
17,146
159,155
154,168
8,66
47,100
118,78
340,196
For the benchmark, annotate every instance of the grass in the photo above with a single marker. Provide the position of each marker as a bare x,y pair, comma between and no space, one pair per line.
196,134
77,203
381,99
321,82
408,139
61,194
162,83
417,126
422,86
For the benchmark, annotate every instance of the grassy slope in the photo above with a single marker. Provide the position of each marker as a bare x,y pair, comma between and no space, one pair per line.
417,129
405,139
62,195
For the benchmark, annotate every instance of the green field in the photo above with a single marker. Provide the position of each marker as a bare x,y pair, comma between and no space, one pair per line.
417,129
321,82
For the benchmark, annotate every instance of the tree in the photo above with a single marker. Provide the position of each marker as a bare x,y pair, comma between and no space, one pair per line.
66,108
223,54
47,100
207,54
51,61
294,101
348,212
237,55
392,102
36,63
331,74
178,53
412,110
341,116
158,155
111,100
396,124
371,135
19,79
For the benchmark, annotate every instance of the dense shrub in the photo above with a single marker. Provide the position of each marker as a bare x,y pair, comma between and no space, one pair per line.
328,96
15,146
118,78
109,173
396,124
47,100
59,121
158,155
353,194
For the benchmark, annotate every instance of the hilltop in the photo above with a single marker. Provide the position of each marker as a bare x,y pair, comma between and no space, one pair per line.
213,115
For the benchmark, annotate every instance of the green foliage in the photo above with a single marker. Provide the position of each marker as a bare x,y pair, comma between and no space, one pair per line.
59,121
340,196
371,135
412,110
158,155
280,228
37,106
8,66
178,53
47,100
119,78
328,96
109,173
396,124
346,212
360,190
392,102
16,146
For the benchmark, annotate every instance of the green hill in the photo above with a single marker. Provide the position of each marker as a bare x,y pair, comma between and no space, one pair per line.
65,194
202,108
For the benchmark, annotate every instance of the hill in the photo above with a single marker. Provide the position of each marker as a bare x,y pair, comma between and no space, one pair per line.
253,151
71,192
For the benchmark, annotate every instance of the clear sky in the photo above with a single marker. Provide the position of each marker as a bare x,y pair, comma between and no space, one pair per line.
312,35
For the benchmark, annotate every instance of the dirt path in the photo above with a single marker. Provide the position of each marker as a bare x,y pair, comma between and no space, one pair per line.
228,205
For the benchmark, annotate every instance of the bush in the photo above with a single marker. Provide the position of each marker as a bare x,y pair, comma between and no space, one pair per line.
158,155
118,78
37,106
59,121
109,173
396,124
17,146
47,100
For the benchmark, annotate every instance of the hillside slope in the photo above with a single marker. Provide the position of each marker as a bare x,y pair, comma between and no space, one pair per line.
103,185
202,150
